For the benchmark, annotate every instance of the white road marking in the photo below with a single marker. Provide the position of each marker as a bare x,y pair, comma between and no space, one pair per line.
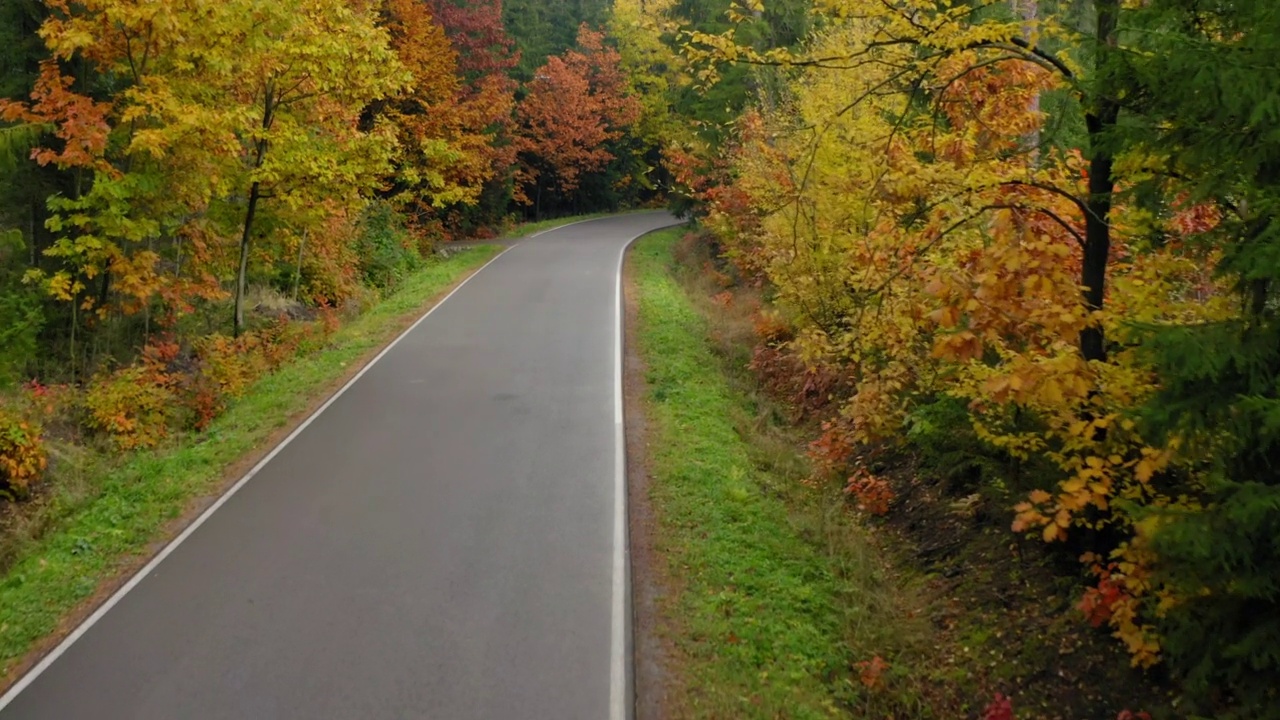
620,699
619,703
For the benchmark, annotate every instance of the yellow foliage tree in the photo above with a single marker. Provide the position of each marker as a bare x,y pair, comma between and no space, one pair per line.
224,104
926,243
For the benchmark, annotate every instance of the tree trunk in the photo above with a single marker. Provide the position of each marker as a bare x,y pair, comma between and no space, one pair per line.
297,270
1100,120
254,194
104,288
75,317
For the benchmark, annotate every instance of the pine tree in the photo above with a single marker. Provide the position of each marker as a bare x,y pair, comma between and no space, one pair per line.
1201,97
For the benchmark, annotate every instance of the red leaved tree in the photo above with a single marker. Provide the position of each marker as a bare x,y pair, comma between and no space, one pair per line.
576,105
485,51
485,57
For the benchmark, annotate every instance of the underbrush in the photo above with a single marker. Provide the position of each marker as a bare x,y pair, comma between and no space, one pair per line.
782,604
965,619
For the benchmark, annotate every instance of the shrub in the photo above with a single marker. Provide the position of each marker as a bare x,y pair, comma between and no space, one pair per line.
940,431
330,268
387,251
428,233
20,323
205,400
22,453
133,407
329,320
233,363
872,494
282,341
227,367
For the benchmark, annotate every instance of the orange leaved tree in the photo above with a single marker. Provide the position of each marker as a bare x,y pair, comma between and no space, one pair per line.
577,104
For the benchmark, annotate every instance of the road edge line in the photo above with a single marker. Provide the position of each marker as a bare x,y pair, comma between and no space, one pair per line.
35,672
621,681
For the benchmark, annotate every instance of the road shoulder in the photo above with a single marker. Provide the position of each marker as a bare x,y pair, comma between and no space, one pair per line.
653,653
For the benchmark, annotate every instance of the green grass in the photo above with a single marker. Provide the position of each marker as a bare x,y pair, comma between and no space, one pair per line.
777,591
130,504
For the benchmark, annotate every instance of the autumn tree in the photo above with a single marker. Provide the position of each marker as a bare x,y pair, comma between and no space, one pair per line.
222,107
435,135
656,71
97,233
1025,224
713,107
485,50
306,69
486,56
575,106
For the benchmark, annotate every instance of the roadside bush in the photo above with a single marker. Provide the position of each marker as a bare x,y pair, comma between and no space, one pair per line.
387,250
941,434
205,400
429,233
134,407
226,368
330,270
282,341
22,453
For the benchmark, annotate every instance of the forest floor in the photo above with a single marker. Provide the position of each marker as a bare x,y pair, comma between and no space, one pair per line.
762,593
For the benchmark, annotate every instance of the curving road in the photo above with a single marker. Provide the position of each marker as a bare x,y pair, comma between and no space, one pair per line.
444,540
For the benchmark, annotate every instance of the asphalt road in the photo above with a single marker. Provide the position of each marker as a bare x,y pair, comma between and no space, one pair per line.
440,542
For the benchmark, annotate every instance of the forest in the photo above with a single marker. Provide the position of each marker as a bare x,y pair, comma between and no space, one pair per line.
1027,249
179,180
1018,256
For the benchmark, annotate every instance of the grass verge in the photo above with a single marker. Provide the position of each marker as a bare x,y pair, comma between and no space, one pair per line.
94,534
777,594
